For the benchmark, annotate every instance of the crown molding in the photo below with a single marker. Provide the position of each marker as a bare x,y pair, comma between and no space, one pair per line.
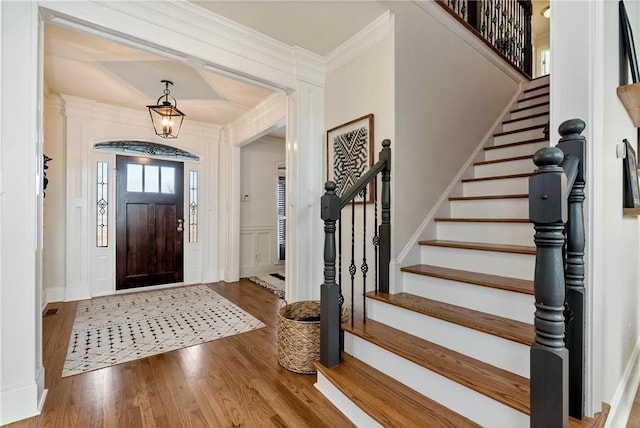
360,42
310,67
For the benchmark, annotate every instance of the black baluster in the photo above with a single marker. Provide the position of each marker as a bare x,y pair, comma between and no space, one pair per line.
352,265
376,237
329,292
364,268
574,144
549,357
385,226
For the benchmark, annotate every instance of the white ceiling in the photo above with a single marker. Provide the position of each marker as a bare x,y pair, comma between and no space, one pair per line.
86,66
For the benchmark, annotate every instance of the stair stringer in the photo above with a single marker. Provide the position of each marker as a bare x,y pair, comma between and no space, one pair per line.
411,253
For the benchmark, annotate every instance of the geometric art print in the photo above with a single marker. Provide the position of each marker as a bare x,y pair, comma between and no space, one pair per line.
349,153
116,329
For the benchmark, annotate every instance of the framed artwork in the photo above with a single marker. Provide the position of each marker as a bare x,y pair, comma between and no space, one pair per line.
350,154
630,178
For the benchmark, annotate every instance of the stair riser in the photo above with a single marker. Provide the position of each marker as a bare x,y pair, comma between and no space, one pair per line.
517,137
513,151
503,303
491,208
544,90
505,186
504,168
492,233
348,408
491,262
535,83
471,404
525,123
494,350
532,101
529,112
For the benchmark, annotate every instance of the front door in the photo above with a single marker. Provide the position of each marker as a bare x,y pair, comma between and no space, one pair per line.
149,222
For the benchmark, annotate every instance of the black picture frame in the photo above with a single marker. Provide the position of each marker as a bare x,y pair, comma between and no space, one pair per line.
631,194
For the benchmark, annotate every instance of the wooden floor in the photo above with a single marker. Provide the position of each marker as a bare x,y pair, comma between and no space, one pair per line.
634,416
231,382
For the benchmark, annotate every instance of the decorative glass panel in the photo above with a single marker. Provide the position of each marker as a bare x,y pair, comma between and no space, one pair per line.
281,203
134,178
151,179
102,204
193,206
167,180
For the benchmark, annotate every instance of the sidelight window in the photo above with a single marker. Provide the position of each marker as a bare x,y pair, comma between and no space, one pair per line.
102,204
193,206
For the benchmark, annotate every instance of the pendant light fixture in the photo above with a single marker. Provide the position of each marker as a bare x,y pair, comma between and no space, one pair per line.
166,118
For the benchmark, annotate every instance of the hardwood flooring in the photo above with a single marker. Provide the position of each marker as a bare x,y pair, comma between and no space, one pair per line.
230,382
634,416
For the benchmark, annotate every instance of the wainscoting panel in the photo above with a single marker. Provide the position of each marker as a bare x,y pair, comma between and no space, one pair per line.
257,250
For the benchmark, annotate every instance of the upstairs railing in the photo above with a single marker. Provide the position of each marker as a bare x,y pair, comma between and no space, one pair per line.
331,296
504,25
556,197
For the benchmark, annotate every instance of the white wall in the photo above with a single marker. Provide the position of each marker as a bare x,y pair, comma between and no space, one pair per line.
446,99
21,371
258,176
74,267
584,78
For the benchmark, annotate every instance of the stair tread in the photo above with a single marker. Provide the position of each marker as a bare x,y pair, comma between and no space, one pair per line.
487,280
482,220
516,331
533,116
530,107
517,143
502,248
515,158
535,88
515,131
482,197
370,390
499,384
531,98
497,177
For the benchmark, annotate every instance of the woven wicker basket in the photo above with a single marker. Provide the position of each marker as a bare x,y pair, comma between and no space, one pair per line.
299,341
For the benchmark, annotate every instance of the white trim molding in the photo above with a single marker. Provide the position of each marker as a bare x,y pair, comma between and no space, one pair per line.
622,401
268,114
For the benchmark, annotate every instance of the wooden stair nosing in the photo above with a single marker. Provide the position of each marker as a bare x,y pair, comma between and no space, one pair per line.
499,384
480,246
484,197
535,88
521,100
511,159
516,285
497,177
517,110
533,116
480,220
370,389
516,143
505,328
515,131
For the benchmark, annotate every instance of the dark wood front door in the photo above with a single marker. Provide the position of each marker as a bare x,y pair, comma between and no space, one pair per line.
149,222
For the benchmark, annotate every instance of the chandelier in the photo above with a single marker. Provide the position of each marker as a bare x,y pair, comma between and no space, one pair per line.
165,116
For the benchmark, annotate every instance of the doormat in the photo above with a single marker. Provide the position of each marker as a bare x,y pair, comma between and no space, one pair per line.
116,329
273,281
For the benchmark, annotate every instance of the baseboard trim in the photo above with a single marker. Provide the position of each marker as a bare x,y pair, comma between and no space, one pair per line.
19,403
54,294
625,392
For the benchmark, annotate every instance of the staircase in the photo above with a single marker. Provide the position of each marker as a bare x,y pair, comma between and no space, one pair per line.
453,348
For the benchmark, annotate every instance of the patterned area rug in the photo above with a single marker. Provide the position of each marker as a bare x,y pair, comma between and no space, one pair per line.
116,329
272,281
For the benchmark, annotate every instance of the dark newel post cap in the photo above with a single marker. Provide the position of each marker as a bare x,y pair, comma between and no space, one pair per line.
330,186
571,128
548,156
386,143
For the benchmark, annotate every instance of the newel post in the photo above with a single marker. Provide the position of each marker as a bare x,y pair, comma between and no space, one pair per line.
549,357
330,291
384,230
574,144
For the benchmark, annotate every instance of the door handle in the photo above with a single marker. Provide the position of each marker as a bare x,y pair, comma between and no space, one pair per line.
180,227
